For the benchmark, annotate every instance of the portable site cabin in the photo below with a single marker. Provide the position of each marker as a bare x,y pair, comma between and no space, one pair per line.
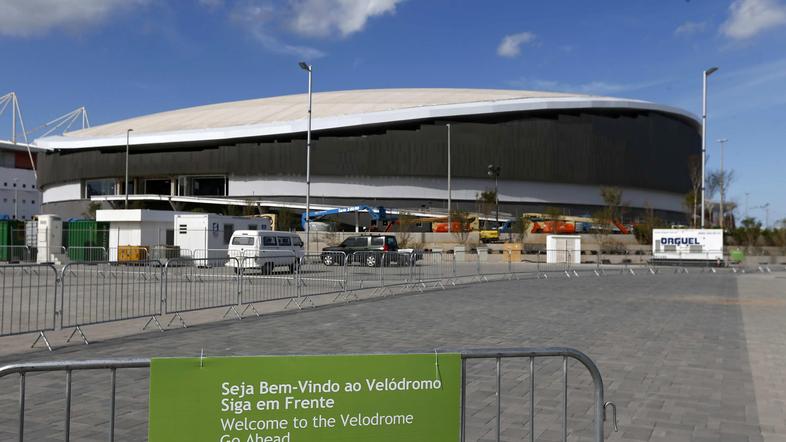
561,249
207,235
49,238
136,233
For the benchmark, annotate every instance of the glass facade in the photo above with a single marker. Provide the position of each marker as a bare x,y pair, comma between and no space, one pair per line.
105,186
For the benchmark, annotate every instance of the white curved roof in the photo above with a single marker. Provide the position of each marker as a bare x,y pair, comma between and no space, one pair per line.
287,114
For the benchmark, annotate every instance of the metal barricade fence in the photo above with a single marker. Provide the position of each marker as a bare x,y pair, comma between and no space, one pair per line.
518,264
197,284
466,265
558,261
397,268
642,262
431,267
214,253
93,293
268,276
28,295
322,273
496,356
17,253
364,270
86,254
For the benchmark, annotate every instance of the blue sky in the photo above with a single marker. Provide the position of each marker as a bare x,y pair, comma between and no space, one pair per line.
121,58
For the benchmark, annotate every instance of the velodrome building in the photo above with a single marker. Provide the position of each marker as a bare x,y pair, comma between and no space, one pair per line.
385,147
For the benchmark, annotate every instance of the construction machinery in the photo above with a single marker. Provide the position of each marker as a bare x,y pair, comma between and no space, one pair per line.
378,214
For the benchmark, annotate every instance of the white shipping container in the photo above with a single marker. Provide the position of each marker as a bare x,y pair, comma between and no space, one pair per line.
207,235
687,244
136,227
562,249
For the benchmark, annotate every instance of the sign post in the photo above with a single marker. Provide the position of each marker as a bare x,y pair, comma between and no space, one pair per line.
384,398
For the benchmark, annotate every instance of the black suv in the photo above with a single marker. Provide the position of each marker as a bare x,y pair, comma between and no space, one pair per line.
366,250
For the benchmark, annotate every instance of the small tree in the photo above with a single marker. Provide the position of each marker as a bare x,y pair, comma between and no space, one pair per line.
405,223
521,227
284,219
689,203
487,200
461,218
694,172
553,215
749,233
719,182
612,198
710,190
601,226
643,230
779,235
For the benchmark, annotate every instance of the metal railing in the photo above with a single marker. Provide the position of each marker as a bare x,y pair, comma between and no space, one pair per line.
88,293
85,253
269,276
94,293
493,354
27,299
199,283
17,253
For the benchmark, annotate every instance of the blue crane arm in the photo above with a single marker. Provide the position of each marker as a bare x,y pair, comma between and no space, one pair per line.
376,214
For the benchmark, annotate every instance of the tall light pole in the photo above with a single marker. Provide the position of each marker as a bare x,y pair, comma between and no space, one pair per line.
722,142
450,190
707,73
494,172
125,184
308,68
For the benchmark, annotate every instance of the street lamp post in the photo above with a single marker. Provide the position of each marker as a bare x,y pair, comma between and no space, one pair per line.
722,142
308,68
707,73
450,190
494,172
125,183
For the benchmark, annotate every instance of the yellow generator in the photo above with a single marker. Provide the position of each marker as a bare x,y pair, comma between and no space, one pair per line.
131,253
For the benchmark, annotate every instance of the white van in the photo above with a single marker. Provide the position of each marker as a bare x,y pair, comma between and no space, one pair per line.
265,250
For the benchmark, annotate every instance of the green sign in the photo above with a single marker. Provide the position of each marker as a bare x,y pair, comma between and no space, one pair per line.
413,397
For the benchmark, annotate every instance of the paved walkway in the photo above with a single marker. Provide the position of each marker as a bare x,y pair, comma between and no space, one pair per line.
685,357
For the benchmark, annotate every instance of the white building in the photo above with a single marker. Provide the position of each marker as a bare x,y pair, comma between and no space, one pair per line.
19,195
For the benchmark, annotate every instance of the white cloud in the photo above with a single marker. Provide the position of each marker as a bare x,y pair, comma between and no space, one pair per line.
267,20
511,44
748,18
259,19
24,18
324,18
690,27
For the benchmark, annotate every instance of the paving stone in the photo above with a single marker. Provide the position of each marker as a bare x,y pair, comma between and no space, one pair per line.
685,357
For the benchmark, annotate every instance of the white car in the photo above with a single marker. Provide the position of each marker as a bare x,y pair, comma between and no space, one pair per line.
265,250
